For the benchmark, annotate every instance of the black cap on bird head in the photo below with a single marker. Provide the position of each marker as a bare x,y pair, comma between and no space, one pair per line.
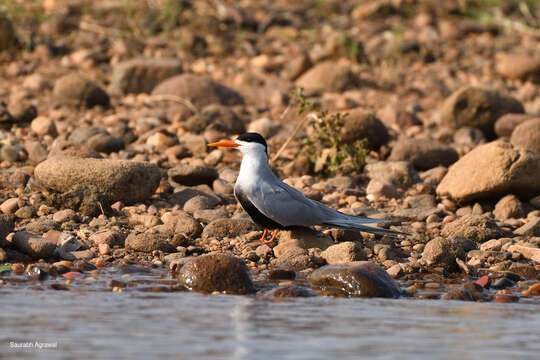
254,137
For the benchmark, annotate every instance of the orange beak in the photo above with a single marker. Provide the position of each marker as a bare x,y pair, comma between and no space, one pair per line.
225,143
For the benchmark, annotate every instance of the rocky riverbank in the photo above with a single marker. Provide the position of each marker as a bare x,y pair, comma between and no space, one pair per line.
108,183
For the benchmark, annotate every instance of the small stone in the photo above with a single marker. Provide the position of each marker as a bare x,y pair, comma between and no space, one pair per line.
444,251
344,252
43,126
398,173
379,189
228,228
303,238
527,136
296,259
191,175
146,242
9,206
473,227
508,207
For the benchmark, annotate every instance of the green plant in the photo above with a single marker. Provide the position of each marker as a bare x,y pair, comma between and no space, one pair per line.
325,145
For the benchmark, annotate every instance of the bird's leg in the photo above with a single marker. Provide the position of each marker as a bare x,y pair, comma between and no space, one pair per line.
273,237
264,234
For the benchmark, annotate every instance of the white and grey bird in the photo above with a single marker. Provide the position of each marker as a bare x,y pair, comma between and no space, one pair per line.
272,204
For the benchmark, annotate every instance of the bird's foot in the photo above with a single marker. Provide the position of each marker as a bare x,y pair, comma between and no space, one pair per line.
272,239
264,235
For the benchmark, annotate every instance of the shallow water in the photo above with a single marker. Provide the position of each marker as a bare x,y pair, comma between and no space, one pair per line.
183,325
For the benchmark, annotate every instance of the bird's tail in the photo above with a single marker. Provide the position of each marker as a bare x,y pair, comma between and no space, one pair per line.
353,222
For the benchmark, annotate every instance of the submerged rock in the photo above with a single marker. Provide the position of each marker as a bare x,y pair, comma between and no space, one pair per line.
216,272
364,279
290,291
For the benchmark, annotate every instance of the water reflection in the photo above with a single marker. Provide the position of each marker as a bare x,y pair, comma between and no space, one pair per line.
188,325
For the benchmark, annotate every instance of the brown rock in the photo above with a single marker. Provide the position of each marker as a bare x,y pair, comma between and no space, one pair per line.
33,245
490,170
296,259
360,124
199,90
473,227
303,238
141,75
379,189
75,90
444,252
179,222
328,76
399,173
109,237
216,272
146,242
522,67
191,175
531,228
527,136
505,125
363,279
424,153
116,180
476,107
42,126
508,207
8,39
527,252
228,228
6,227
344,252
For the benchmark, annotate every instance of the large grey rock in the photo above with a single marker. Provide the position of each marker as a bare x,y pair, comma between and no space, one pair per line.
363,279
477,107
141,75
216,272
492,169
115,180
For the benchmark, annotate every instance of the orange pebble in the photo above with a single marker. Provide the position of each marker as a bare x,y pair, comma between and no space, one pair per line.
532,290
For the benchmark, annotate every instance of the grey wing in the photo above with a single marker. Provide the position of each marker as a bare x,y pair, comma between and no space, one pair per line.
289,207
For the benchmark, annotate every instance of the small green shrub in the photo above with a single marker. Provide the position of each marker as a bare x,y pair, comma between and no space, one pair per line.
325,145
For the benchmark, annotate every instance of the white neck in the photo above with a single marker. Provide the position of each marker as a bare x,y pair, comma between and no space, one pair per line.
254,166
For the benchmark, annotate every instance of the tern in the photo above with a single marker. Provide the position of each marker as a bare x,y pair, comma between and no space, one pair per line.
272,204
